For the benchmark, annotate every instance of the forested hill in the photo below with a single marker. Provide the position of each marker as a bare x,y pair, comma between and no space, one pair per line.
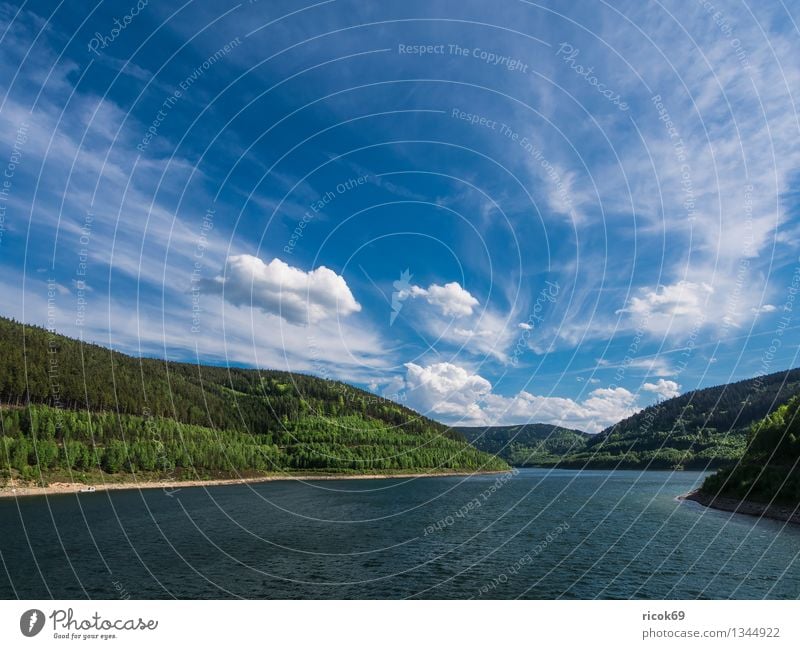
722,407
50,369
701,429
769,472
526,444
202,418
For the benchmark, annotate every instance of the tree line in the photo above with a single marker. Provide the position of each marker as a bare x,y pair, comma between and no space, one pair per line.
42,438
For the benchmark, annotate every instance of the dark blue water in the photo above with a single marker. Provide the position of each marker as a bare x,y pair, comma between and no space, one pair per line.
540,534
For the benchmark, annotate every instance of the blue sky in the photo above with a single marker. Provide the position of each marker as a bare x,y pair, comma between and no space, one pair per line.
596,204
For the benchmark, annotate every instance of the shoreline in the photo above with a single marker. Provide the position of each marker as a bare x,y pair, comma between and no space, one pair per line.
782,513
172,486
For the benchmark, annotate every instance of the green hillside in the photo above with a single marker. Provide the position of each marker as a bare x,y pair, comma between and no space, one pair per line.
528,444
769,472
703,429
68,406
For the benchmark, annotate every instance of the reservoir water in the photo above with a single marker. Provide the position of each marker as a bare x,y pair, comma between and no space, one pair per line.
537,534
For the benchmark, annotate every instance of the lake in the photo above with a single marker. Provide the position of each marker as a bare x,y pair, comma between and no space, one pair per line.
537,534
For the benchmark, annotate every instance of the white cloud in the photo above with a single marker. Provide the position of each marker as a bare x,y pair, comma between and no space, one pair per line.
670,309
651,365
664,389
603,407
391,390
352,351
454,394
451,299
446,389
525,326
485,333
711,214
488,334
299,297
765,308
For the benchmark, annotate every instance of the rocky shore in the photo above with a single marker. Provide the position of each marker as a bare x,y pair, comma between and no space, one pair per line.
776,512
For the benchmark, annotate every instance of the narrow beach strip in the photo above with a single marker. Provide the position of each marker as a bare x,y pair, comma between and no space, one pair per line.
56,488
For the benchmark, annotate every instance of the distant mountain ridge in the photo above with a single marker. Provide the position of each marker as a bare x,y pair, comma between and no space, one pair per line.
526,444
701,429
725,406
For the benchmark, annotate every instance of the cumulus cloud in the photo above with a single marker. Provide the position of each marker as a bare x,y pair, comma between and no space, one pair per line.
298,296
664,389
673,308
487,332
451,299
446,390
602,407
456,395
